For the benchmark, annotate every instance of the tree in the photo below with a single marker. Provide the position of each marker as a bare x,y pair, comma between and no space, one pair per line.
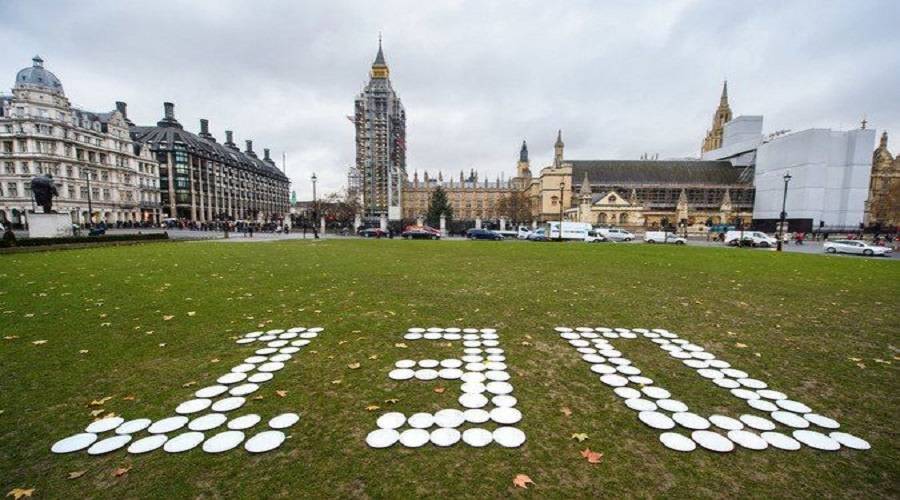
516,207
340,208
438,205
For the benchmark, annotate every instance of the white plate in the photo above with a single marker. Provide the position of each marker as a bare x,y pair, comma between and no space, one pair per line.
284,420
476,416
472,400
391,420
690,420
412,336
477,437
258,378
472,377
244,422
762,405
499,388
656,392
506,416
727,423
758,423
790,419
147,444
265,351
496,376
640,380
280,358
289,350
815,440
109,444
429,363
210,392
243,368
243,389
794,406
183,442
594,358
628,370
695,364
850,441
710,373
473,387
450,373
207,422
272,366
603,369
74,443
133,426
401,374
167,425
451,363
733,373
223,441
228,404
822,421
613,380
104,424
445,437
476,367
718,364
426,374
416,330
727,383
655,419
749,440
712,441
781,441
639,404
231,378
627,392
504,400
421,420
244,341
672,405
562,329
297,343
745,394
264,441
382,438
253,335
414,438
752,383
509,437
449,418
770,394
193,406
405,363
677,442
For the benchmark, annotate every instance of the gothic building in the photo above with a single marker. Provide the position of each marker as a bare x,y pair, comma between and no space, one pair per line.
380,122
101,174
883,204
203,180
722,116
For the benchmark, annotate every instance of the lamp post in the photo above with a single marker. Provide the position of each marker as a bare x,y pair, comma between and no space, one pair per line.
87,175
787,178
562,187
315,220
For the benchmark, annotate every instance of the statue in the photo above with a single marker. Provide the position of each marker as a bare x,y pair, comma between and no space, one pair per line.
44,190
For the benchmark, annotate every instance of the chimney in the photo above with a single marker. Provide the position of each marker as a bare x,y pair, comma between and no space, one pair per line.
122,107
266,154
229,138
249,143
169,110
204,126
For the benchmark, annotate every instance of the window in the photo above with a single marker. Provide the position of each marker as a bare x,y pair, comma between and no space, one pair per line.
12,189
83,192
71,192
9,167
7,146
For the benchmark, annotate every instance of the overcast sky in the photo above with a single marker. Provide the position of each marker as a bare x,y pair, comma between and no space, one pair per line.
476,77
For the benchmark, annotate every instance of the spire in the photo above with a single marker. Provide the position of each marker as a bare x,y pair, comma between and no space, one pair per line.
726,201
379,67
559,141
682,199
723,101
883,143
558,150
585,190
523,153
38,62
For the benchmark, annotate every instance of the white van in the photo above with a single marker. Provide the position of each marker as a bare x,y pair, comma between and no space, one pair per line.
663,237
751,238
570,230
615,234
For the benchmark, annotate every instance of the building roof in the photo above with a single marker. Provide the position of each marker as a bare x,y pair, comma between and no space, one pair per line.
37,76
169,135
654,172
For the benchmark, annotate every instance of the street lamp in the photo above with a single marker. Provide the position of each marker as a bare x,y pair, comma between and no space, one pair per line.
90,206
562,187
315,207
787,178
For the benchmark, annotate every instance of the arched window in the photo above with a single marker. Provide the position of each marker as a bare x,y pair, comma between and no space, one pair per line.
623,218
602,218
554,200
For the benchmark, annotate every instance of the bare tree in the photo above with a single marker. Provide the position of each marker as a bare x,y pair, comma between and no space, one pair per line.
516,207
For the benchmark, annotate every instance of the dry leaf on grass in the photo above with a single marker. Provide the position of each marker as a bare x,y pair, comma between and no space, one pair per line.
128,398
121,471
566,411
522,481
76,474
99,402
336,382
188,384
740,346
353,366
372,407
39,342
392,401
281,394
440,390
18,493
167,318
592,456
580,436
400,345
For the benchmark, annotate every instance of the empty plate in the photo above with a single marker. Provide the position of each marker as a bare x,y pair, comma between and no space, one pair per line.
444,437
244,422
640,404
74,443
477,437
794,406
414,438
167,425
790,419
284,420
822,421
505,415
258,378
757,423
223,441
672,405
264,441
401,374
228,404
104,424
392,420
473,400
109,444
133,426
655,419
677,442
656,392
210,392
850,441
421,420
713,441
193,406
812,439
231,378
747,439
690,420
476,416
781,441
207,422
727,423
147,444
382,438
449,418
183,442
509,437
243,389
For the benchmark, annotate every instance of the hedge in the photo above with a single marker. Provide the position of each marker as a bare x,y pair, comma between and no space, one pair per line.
35,242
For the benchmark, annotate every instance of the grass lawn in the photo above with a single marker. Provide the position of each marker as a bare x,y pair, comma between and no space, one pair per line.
824,330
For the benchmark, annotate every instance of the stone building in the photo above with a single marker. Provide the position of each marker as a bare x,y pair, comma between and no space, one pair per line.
470,197
883,203
203,180
380,122
91,156
722,116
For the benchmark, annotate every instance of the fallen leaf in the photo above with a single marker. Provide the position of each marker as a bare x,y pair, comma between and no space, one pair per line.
83,351
373,356
400,345
392,401
353,366
440,390
121,471
526,343
591,456
76,474
18,493
191,313
566,411
214,360
38,342
739,345
97,412
128,398
336,382
167,318
372,407
163,344
188,384
521,480
257,398
99,402
281,394
580,436
10,337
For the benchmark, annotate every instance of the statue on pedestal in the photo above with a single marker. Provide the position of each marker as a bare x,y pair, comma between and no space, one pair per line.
44,190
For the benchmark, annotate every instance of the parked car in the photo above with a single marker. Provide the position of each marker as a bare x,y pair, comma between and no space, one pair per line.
537,235
594,236
855,247
751,238
421,233
615,234
373,232
482,234
663,237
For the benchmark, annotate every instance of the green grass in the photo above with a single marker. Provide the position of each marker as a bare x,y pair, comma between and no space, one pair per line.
813,327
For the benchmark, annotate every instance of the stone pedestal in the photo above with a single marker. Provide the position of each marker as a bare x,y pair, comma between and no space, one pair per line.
443,225
383,222
533,225
419,221
357,223
503,223
322,226
49,225
478,223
